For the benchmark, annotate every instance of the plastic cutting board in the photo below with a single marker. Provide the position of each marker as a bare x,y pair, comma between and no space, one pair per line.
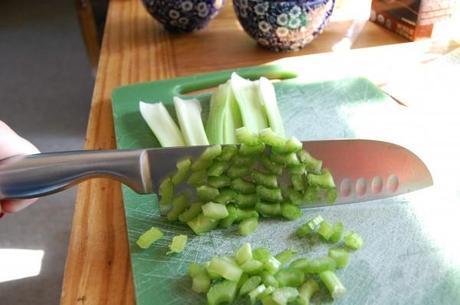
404,260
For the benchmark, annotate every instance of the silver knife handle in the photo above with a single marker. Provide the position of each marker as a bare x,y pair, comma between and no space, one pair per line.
42,174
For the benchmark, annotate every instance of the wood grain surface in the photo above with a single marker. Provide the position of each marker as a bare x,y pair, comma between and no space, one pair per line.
135,49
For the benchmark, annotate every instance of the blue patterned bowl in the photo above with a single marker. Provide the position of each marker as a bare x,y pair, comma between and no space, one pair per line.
283,25
183,16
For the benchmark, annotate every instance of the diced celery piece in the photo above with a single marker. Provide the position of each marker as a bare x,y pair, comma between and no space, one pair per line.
324,179
202,224
315,222
303,230
250,284
325,230
333,284
243,254
284,295
201,283
261,254
214,210
266,180
272,265
291,277
245,136
166,191
207,193
149,237
237,171
177,244
194,269
255,293
179,205
218,168
268,209
198,178
226,196
294,196
312,165
337,234
252,150
219,182
183,168
243,186
252,266
211,152
320,264
301,264
268,194
340,255
271,166
353,240
231,218
228,151
245,214
285,256
246,200
269,279
297,182
247,226
225,268
223,292
308,289
269,137
290,211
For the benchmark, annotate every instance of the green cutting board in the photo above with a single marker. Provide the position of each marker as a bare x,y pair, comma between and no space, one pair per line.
406,258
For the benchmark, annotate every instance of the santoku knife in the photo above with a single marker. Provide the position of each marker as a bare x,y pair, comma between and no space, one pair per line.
362,169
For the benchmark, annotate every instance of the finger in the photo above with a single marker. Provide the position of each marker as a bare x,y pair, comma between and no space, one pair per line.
12,144
12,206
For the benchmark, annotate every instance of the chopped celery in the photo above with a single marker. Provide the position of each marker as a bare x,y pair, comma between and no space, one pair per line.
269,137
243,186
284,295
272,265
269,279
189,117
245,214
223,292
311,194
325,230
211,152
226,196
177,244
320,264
267,293
190,213
331,195
201,283
149,237
207,193
323,180
333,284
250,284
337,234
267,97
294,196
313,165
179,204
202,224
290,211
246,200
271,166
231,218
289,159
261,254
228,151
285,256
303,230
237,171
308,289
243,278
219,182
161,123
293,145
246,95
214,210
245,136
247,226
198,178
266,180
243,254
301,264
268,209
268,194
201,164
225,268
217,168
194,269
253,295
291,277
252,266
297,182
340,255
183,168
315,222
166,191
297,169
251,150
242,161
353,240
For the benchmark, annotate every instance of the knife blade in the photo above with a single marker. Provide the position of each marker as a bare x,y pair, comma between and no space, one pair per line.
362,169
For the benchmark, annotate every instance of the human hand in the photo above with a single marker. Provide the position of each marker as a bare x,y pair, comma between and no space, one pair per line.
12,144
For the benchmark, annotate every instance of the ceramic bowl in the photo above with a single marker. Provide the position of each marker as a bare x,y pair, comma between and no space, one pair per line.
183,16
283,25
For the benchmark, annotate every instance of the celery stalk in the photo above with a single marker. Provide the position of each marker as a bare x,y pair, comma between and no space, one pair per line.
161,123
189,117
252,112
267,96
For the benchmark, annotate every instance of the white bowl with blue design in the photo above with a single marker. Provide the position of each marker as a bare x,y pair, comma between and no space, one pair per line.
287,25
183,16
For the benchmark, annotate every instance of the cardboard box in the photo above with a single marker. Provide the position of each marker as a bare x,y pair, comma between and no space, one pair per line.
412,19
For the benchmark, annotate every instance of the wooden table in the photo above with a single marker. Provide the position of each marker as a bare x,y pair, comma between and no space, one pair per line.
136,49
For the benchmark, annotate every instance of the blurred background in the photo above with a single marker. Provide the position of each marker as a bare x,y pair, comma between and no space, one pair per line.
46,82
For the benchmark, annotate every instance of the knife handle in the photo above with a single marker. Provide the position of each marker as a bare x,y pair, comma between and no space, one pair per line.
30,176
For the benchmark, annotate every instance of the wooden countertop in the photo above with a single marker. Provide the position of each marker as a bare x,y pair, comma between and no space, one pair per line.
136,49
